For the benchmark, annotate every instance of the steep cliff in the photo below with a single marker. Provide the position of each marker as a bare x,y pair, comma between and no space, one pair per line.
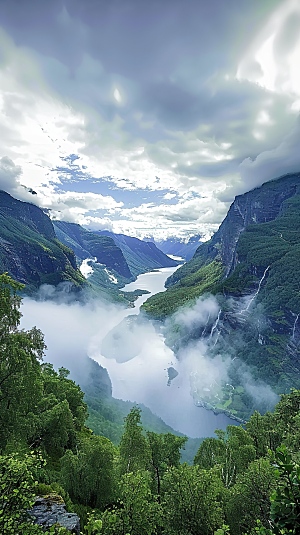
251,266
29,249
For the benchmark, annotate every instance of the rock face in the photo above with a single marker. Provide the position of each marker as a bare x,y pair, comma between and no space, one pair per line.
29,249
251,265
259,205
87,244
50,510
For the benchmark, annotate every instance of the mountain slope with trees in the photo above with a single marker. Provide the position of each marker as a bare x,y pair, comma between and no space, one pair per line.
29,249
141,256
251,267
244,476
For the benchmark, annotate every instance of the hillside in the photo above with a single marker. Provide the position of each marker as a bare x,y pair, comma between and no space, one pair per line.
87,244
141,256
251,265
29,249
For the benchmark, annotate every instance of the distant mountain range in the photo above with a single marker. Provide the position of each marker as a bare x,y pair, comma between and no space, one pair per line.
35,251
140,256
181,248
87,244
251,265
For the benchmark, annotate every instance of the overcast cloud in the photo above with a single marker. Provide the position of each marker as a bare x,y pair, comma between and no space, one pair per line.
147,117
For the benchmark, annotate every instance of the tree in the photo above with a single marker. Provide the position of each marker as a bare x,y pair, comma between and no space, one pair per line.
134,448
137,512
192,501
89,476
164,453
285,500
17,486
249,499
20,372
231,454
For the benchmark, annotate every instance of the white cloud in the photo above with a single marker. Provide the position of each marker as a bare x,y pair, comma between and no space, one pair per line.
200,129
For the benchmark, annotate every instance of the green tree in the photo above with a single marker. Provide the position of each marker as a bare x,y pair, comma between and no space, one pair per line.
192,501
20,372
164,453
17,488
134,448
232,453
264,432
137,512
89,475
249,499
285,500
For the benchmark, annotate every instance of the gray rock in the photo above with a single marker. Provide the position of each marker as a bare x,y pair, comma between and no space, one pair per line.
49,510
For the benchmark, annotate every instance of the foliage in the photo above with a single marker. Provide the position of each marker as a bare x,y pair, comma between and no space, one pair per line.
232,455
134,449
88,476
285,501
137,512
184,291
192,498
164,454
249,499
17,486
20,372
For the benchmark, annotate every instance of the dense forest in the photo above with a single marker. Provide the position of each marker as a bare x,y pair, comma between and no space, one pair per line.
244,481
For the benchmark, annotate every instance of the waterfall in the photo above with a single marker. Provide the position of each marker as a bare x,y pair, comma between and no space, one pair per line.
295,323
204,330
215,324
257,292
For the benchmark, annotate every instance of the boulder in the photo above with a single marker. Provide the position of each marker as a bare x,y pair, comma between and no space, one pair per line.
51,509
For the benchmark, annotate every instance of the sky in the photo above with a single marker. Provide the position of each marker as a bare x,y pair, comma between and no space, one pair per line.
147,117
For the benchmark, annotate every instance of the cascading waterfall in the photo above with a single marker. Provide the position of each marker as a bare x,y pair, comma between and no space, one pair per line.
257,291
295,323
215,325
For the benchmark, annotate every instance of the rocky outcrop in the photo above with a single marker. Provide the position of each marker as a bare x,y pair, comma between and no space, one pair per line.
259,205
50,510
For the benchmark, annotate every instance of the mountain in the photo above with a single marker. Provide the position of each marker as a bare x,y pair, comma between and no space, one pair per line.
251,265
141,256
86,244
181,248
29,249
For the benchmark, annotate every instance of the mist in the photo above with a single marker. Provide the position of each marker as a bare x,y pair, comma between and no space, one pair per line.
130,347
138,352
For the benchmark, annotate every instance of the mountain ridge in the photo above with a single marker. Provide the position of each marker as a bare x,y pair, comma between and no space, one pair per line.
251,266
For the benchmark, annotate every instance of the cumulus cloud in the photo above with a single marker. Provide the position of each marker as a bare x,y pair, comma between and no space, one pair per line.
158,116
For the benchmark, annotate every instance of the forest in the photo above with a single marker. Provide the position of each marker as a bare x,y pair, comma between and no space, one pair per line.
244,481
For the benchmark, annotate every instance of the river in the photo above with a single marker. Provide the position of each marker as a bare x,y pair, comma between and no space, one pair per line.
129,346
137,359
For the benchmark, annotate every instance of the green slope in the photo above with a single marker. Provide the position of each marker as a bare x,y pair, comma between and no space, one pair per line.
29,249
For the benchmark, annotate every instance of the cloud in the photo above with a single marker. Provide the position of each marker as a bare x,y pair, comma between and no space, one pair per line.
162,115
73,330
9,175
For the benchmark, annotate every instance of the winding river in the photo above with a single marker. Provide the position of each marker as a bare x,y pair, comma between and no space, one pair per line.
137,359
128,345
